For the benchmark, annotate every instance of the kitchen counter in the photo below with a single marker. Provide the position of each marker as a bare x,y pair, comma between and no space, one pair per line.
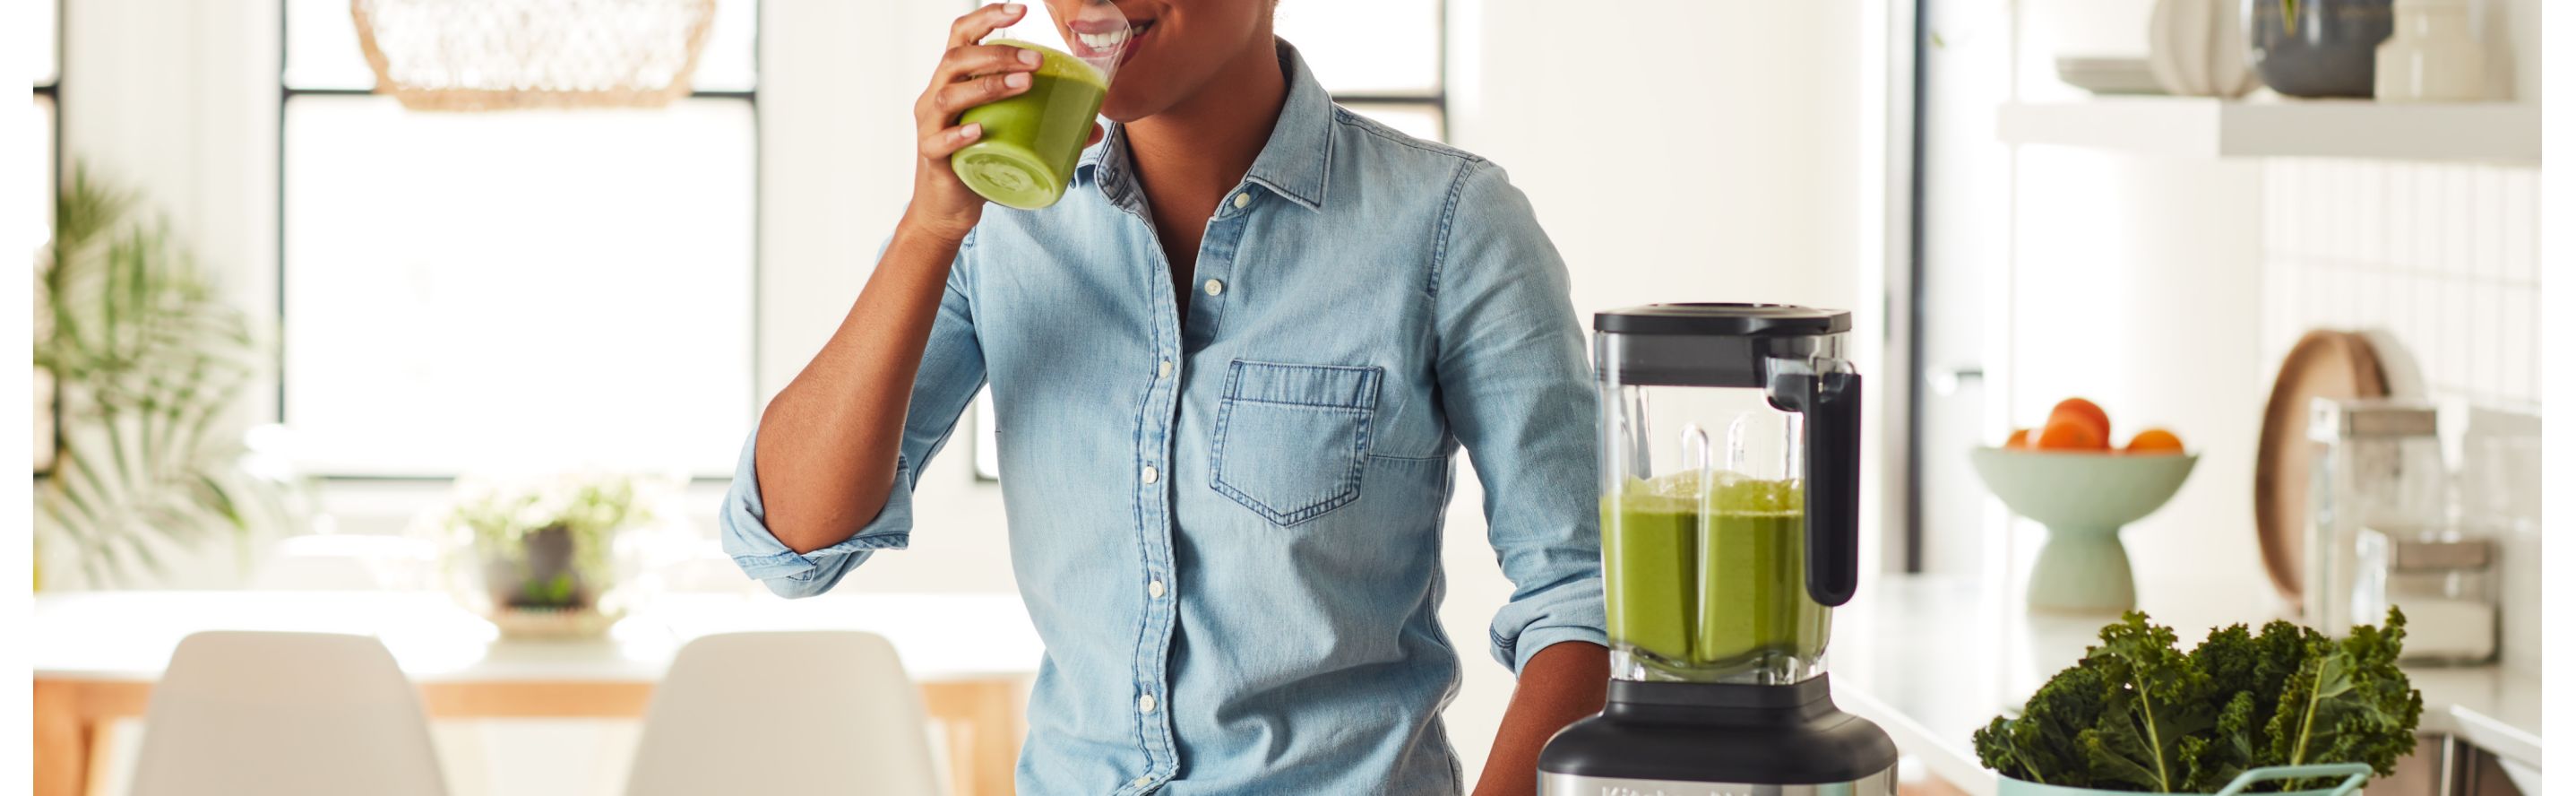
1933,659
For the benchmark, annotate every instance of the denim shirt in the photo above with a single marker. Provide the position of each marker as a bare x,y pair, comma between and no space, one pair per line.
1226,522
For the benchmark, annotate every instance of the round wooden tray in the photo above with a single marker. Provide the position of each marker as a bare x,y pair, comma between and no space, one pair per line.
2324,364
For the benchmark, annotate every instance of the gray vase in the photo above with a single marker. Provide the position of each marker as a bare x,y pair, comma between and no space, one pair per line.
2330,49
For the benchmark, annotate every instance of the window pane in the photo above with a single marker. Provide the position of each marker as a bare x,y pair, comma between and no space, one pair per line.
48,62
1421,120
322,47
529,289
1366,46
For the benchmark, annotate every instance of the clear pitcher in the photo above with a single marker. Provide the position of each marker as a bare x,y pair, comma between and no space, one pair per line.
1730,488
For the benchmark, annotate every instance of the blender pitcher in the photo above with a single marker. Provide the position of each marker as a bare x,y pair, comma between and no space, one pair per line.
1730,478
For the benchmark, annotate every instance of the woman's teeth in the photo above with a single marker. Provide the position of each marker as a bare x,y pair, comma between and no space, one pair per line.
1105,41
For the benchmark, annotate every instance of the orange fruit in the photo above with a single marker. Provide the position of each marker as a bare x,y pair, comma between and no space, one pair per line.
2069,434
2086,411
2020,439
2155,441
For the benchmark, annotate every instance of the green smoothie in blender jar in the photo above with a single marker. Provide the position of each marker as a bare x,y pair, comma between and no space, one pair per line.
1754,609
1703,590
1033,139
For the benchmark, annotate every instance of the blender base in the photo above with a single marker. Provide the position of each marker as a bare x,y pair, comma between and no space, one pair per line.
1719,739
1882,783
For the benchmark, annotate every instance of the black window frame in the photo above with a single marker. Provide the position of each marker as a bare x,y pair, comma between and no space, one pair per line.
288,93
52,91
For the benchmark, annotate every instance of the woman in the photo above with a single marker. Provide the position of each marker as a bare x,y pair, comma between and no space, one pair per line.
1230,368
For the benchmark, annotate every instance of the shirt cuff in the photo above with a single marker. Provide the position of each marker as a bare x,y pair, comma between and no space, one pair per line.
743,531
1569,611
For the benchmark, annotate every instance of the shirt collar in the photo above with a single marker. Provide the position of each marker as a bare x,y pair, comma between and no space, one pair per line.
1293,163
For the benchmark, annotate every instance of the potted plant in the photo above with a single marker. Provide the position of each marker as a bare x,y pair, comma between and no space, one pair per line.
2284,710
542,558
148,464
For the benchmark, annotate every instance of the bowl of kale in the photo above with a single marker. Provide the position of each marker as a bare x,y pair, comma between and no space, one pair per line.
2284,710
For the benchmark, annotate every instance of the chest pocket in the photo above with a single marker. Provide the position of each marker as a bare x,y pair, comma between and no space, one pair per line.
1291,441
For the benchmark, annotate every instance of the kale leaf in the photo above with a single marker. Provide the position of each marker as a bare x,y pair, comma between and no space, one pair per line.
2136,714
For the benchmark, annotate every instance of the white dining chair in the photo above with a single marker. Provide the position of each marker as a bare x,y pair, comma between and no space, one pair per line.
747,702
285,714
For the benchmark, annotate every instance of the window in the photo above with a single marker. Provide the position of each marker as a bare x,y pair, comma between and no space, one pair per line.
471,291
47,137
1390,70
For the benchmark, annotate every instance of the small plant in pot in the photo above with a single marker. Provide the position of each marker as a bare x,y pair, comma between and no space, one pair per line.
542,558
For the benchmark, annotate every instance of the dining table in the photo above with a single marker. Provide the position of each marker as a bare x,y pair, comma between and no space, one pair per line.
96,655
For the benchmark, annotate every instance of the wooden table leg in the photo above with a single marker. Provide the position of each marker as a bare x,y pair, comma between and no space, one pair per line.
984,728
62,741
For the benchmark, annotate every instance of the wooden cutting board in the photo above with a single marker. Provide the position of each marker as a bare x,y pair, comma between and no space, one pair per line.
2324,364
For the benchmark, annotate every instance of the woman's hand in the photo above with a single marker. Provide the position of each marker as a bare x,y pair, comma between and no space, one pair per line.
969,74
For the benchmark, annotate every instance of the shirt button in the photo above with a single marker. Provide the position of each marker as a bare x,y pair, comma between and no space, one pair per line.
1213,287
1145,704
1144,781
1154,589
1165,371
1243,200
1150,475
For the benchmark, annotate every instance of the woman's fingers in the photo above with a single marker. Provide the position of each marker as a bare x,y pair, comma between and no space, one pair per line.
1096,134
939,145
955,98
971,28
968,66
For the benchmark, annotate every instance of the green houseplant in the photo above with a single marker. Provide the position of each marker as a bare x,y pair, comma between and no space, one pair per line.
147,356
540,557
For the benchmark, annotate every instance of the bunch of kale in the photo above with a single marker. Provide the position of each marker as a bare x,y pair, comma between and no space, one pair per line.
2136,714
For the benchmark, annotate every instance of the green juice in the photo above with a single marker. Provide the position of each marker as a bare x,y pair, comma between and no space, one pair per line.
1033,139
1704,590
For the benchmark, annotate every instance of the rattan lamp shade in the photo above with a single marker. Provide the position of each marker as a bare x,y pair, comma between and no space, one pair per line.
485,55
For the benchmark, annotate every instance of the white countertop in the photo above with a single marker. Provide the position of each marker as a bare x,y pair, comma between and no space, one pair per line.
129,635
1932,660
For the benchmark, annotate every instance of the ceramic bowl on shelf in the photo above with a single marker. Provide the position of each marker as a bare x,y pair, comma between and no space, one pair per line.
2083,497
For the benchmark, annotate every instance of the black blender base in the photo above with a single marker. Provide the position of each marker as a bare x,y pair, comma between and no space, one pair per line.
1704,739
1882,783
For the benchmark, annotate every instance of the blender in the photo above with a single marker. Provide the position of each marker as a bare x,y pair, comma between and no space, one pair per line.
1730,487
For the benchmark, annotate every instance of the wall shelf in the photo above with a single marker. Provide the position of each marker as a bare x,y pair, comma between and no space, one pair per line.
2199,127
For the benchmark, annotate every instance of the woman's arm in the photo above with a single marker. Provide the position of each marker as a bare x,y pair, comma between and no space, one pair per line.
1561,685
827,443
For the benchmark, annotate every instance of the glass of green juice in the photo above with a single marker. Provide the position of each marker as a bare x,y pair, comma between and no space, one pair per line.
1032,140
1705,578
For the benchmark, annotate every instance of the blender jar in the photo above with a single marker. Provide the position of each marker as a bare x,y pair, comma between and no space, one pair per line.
1729,446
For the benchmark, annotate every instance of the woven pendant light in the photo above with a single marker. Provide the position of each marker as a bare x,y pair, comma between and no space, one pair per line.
487,55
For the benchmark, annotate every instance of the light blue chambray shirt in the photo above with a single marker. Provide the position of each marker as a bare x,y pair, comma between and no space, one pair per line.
1227,524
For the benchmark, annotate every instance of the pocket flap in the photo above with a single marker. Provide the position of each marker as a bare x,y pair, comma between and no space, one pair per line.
1330,386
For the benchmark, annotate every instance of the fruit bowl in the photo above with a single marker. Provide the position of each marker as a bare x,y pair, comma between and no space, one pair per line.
2083,497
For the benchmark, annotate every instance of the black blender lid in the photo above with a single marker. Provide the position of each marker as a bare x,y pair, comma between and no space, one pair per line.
1765,320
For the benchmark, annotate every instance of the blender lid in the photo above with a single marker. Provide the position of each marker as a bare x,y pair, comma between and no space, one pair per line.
1761,320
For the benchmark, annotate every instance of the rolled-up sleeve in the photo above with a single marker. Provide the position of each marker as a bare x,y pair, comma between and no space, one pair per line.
1518,393
952,370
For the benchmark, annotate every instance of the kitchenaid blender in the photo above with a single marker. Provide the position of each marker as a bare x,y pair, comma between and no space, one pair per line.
1730,476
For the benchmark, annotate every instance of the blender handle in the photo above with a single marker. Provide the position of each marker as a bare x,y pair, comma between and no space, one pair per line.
1833,486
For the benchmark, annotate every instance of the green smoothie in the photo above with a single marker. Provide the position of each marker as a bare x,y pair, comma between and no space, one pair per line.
1706,594
1032,139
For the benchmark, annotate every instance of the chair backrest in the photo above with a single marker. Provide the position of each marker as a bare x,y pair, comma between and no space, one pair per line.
834,704
285,714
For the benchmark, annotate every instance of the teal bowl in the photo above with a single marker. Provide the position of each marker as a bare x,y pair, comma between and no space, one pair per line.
2346,778
2083,498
